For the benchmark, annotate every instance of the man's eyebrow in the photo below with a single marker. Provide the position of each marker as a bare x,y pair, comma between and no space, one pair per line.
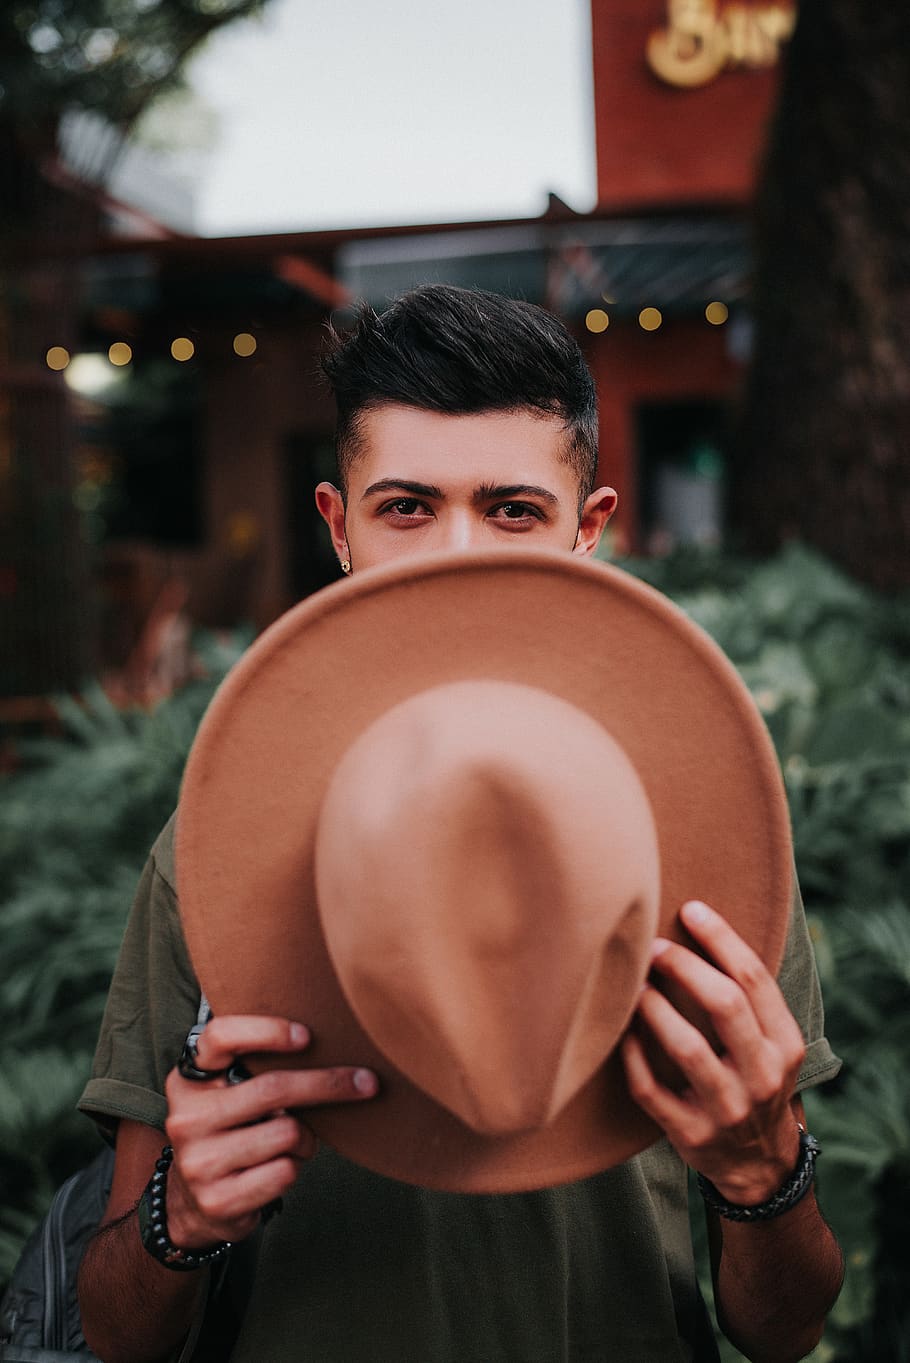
484,492
489,492
403,485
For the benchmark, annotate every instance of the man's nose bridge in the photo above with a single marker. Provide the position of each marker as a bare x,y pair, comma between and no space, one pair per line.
463,528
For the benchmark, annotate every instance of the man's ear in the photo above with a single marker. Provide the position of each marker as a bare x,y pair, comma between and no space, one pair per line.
595,513
330,505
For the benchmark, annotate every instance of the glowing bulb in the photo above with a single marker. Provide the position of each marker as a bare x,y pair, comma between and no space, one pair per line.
92,376
649,319
57,358
597,320
182,348
717,314
120,353
244,344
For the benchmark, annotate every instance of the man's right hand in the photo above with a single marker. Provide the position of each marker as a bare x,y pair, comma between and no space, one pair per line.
237,1147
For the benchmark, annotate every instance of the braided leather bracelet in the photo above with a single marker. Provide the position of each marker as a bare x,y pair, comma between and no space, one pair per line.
787,1196
153,1224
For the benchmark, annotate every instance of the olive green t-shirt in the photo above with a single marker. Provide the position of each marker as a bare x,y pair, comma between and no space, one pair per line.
363,1269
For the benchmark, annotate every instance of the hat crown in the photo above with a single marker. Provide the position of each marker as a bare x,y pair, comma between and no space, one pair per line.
488,882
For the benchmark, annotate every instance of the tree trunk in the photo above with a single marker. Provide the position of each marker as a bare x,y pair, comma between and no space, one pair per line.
824,449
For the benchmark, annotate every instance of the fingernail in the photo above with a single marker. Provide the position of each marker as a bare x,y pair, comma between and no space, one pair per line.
300,1034
696,911
365,1082
658,947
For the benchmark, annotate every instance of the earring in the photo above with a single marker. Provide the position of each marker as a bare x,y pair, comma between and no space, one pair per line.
345,565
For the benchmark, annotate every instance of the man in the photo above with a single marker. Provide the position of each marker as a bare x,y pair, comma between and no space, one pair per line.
464,421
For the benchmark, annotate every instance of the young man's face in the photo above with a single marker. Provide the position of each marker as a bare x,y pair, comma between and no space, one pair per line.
425,481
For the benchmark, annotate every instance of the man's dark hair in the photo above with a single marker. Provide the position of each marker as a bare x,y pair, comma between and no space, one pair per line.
445,349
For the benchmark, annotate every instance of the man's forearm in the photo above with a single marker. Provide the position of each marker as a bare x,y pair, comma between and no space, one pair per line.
775,1282
133,1309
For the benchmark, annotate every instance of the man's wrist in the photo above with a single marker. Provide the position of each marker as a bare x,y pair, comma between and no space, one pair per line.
757,1181
787,1194
153,1227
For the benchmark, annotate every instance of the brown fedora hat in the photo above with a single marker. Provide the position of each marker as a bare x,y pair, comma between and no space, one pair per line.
438,812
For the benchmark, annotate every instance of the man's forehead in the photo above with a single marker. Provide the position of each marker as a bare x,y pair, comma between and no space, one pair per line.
495,448
398,417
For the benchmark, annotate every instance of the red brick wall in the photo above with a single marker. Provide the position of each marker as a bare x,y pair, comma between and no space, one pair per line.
660,144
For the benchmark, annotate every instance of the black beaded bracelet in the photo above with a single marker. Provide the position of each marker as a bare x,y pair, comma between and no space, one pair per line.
787,1196
153,1224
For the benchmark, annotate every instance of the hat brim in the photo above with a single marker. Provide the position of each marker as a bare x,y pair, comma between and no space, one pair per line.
315,680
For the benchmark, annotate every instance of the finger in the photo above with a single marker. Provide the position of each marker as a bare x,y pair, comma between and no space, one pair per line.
706,1074
274,1090
234,1034
670,1111
752,1070
737,959
217,1156
721,999
226,1203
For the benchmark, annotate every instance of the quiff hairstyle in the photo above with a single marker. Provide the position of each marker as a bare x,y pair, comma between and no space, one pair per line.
445,349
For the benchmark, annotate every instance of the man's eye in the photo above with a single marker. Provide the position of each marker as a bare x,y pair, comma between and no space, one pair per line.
405,506
517,511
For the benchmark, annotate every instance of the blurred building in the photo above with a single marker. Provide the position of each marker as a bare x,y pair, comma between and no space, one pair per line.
204,429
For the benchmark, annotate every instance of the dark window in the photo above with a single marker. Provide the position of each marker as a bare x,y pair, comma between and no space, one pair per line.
147,437
681,459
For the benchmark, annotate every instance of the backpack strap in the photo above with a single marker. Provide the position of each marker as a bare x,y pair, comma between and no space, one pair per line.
40,1310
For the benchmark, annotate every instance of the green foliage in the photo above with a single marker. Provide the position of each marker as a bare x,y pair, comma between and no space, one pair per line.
111,56
76,822
828,663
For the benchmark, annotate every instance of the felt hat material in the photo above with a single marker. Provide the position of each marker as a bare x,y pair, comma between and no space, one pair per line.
438,812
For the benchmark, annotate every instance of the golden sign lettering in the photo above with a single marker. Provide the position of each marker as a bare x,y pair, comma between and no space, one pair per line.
701,40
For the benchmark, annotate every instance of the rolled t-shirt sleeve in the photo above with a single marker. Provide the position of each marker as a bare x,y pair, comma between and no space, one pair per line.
153,1002
798,980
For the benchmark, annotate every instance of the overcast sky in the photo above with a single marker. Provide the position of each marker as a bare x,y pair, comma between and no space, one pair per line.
343,112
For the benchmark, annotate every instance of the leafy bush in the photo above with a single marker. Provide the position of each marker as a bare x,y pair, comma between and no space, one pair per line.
76,822
827,662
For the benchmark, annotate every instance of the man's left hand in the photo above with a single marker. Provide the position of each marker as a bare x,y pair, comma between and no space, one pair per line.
732,1119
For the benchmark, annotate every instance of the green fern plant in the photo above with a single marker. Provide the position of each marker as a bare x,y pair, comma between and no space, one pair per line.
76,821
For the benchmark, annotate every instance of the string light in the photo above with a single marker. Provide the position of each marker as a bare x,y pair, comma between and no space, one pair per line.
597,320
120,353
244,344
649,319
243,532
92,374
57,358
717,313
182,348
